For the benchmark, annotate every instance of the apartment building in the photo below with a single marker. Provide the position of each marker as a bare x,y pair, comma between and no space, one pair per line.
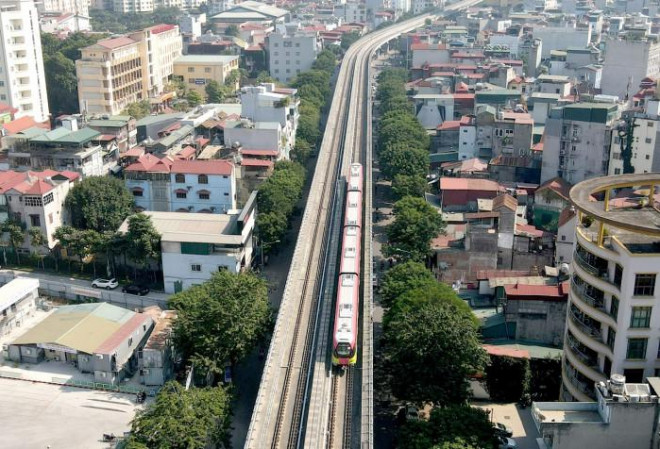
121,127
36,199
194,246
80,7
640,131
577,141
627,61
22,78
131,6
182,186
63,150
197,71
17,302
289,55
118,71
613,319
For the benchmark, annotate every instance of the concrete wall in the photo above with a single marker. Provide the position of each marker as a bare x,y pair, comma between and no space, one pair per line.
538,321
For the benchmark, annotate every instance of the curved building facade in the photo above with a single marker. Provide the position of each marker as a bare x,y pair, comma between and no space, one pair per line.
613,316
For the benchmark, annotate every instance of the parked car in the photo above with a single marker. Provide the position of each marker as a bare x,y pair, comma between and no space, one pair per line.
108,284
228,378
407,413
508,443
502,430
135,289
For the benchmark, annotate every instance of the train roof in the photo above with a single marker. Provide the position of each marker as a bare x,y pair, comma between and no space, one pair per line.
350,255
347,303
353,209
355,178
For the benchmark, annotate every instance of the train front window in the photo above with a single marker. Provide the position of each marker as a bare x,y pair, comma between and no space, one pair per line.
343,349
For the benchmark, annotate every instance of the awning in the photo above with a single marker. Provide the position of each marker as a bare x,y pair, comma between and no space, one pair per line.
201,192
180,191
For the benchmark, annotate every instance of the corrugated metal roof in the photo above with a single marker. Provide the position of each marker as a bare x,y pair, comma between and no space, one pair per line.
83,327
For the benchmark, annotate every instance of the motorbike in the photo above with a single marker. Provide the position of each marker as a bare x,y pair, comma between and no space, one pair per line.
141,397
109,437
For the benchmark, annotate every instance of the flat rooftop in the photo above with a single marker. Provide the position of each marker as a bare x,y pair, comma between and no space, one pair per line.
645,220
566,412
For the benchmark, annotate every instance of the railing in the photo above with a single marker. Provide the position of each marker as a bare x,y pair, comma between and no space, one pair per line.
589,360
592,332
583,387
582,261
581,292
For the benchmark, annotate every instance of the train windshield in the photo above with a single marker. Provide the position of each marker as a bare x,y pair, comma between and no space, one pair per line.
343,349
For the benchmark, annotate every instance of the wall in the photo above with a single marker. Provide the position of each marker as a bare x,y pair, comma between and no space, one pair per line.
178,267
561,38
538,321
628,60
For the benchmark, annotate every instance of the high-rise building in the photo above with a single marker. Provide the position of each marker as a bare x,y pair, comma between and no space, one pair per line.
22,77
577,141
64,6
116,72
613,319
289,55
628,60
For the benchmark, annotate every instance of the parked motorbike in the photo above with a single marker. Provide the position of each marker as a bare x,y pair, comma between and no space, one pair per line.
141,397
109,437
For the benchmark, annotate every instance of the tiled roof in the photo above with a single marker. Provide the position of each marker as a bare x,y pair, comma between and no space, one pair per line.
116,42
505,200
506,352
489,274
557,185
20,124
214,167
469,184
161,28
538,291
256,163
566,215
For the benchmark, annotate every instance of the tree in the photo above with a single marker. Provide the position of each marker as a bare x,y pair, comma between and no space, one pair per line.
214,92
37,239
403,159
546,378
406,185
311,94
326,61
451,427
221,321
318,78
138,109
403,278
232,30
61,84
402,129
100,203
194,98
66,235
264,77
15,235
301,151
143,240
347,39
435,342
415,224
508,379
271,226
184,419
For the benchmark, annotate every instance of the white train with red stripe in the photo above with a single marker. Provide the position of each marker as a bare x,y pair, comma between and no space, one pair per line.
345,332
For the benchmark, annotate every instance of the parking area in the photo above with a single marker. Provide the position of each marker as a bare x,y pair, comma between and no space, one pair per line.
39,415
518,419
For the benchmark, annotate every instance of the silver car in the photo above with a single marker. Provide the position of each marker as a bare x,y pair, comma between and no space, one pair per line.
108,284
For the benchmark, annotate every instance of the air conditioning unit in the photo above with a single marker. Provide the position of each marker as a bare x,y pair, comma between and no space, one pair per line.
189,188
145,372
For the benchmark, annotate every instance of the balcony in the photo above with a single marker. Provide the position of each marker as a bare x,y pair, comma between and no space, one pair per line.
587,356
590,297
573,377
582,323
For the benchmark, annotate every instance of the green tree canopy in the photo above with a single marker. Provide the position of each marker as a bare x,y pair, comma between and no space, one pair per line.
318,78
143,241
100,203
214,92
402,159
451,427
308,123
403,278
117,23
508,379
138,109
194,98
326,61
347,39
61,84
221,321
402,129
406,185
435,342
232,30
184,419
415,224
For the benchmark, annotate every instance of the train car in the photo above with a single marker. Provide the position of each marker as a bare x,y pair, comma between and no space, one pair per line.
348,290
346,321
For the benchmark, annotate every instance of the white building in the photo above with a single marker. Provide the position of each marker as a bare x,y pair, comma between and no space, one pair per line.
645,146
627,62
64,6
289,55
64,23
36,199
467,138
565,236
132,6
160,45
613,319
194,246
577,141
426,53
17,302
257,136
432,110
22,80
268,103
561,38
352,12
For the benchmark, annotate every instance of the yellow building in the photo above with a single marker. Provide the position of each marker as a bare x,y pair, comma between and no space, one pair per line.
197,71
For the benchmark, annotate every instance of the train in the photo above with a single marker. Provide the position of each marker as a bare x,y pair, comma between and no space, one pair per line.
347,306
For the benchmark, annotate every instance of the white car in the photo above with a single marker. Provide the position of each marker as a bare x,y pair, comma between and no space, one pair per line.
508,443
108,284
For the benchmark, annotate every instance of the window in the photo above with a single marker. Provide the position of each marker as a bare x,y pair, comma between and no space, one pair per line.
50,218
33,201
2,83
611,338
207,69
202,179
634,376
137,192
617,171
195,267
607,367
180,178
191,70
649,124
614,307
618,275
181,195
226,194
35,220
563,238
3,97
637,348
130,341
204,196
48,199
222,268
640,317
644,285
191,80
648,140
